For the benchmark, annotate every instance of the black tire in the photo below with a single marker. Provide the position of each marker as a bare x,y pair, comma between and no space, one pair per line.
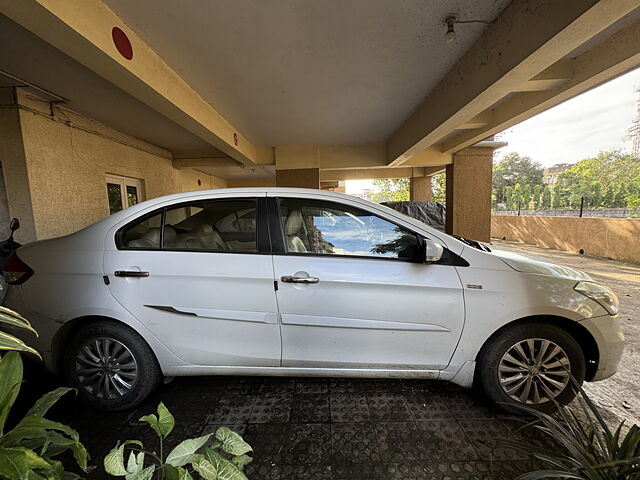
494,350
147,371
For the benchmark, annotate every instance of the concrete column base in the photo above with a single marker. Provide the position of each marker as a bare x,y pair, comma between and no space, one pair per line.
298,178
469,194
421,189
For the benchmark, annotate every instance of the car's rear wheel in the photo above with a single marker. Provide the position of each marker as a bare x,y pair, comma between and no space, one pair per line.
112,367
533,365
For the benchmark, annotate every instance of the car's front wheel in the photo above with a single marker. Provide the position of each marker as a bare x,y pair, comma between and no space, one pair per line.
537,365
112,367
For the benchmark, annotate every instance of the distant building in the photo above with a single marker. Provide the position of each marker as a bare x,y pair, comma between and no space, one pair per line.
550,175
366,194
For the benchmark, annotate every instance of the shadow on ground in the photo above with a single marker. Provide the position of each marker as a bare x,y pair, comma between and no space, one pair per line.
307,428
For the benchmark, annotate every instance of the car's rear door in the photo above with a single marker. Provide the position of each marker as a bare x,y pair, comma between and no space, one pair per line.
199,275
351,294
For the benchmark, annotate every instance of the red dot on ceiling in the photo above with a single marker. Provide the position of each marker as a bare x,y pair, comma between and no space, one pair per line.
122,43
199,182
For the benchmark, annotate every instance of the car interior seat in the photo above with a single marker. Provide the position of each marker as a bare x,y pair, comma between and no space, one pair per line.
293,227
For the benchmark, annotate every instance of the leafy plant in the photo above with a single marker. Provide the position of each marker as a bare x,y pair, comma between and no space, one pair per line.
195,458
9,342
29,450
591,450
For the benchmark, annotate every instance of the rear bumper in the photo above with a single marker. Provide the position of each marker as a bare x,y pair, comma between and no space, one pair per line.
608,335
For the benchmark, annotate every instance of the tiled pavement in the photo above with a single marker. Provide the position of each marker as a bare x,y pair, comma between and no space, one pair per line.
308,428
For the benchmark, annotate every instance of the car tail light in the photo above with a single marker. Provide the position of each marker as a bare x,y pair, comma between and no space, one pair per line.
15,271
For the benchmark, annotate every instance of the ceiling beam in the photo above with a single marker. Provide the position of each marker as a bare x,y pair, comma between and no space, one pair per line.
83,30
525,39
199,162
609,59
375,173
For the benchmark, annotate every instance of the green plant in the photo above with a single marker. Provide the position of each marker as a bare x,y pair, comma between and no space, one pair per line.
590,449
194,458
9,342
29,450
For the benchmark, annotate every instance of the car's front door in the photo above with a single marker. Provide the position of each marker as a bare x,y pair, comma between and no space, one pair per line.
199,276
352,295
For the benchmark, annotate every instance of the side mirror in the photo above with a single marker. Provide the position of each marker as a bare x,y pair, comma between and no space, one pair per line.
14,225
432,251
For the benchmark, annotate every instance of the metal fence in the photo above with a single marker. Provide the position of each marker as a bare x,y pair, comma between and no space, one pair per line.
576,212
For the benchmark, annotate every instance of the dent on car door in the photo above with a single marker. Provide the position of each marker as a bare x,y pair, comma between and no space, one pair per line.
351,293
199,276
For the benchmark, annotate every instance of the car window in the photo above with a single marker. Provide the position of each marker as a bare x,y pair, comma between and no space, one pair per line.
144,234
217,225
317,227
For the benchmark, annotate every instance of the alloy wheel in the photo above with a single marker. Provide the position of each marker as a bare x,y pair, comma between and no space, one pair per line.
106,368
534,371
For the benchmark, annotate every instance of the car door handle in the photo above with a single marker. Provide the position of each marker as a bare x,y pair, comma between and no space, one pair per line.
131,273
292,279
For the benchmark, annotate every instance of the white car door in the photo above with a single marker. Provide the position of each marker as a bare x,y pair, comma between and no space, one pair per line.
199,276
352,295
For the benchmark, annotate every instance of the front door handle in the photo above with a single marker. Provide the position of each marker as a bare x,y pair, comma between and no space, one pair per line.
131,273
292,279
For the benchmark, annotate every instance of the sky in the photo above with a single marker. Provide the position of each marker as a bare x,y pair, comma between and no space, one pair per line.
579,128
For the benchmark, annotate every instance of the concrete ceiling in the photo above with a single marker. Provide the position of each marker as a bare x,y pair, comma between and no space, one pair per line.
309,72
24,55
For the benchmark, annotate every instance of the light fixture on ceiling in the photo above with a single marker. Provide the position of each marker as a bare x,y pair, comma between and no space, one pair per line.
451,20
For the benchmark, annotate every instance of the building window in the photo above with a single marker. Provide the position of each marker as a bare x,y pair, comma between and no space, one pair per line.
122,192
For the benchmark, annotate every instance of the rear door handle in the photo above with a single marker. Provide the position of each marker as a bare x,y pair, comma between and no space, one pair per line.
131,273
292,279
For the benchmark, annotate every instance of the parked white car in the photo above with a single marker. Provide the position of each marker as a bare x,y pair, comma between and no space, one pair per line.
306,283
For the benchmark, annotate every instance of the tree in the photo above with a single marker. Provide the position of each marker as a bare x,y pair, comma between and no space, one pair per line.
439,186
609,194
545,202
513,169
556,202
527,195
392,190
615,173
537,192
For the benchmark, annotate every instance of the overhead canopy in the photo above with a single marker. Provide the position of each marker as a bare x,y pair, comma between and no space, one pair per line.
232,88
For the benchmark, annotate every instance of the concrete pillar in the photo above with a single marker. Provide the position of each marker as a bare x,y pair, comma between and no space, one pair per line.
469,193
421,189
14,166
299,178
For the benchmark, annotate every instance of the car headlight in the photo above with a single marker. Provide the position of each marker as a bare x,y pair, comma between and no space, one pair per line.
601,294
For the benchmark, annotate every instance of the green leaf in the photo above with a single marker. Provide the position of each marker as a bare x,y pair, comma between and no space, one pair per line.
16,463
242,461
204,468
45,402
166,421
232,442
31,427
170,472
184,474
10,379
114,461
136,462
162,424
9,342
224,468
145,474
183,453
15,319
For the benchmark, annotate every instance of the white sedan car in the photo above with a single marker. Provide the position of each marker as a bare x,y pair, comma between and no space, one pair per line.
306,283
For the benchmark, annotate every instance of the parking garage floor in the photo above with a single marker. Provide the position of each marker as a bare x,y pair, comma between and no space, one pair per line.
306,428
